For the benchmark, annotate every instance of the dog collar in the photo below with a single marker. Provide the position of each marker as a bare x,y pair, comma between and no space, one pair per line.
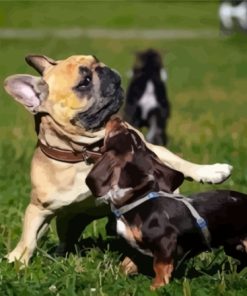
87,154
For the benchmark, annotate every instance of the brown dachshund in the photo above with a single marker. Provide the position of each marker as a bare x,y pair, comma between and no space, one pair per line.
131,177
125,155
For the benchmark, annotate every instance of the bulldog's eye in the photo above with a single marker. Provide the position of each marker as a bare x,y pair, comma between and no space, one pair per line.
85,82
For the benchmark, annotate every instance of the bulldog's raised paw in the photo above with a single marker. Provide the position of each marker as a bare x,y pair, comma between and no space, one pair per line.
213,174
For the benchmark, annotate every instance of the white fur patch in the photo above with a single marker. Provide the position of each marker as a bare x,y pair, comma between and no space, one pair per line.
121,228
228,13
163,74
148,100
122,231
215,173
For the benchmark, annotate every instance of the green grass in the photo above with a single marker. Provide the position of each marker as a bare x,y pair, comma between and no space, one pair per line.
207,89
109,14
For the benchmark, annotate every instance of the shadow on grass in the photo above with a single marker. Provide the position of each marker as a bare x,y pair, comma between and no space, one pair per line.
189,268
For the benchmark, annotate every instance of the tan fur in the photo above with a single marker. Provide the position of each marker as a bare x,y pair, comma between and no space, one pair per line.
128,267
137,234
244,242
62,102
58,188
132,234
163,272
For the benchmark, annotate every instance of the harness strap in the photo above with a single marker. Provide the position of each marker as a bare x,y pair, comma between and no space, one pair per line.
119,212
200,221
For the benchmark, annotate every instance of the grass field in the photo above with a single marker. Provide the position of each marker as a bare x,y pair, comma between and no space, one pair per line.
207,89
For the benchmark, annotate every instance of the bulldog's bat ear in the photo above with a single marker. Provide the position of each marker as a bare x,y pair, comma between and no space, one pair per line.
40,62
28,90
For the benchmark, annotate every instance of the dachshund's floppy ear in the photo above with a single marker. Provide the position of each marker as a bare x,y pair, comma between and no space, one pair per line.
99,178
167,178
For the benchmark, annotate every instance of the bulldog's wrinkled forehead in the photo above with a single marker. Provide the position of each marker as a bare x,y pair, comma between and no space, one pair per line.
80,93
71,65
65,75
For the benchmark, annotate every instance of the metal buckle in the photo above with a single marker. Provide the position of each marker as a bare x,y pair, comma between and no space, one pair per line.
201,223
85,155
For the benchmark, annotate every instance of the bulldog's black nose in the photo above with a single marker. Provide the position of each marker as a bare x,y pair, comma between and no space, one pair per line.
110,80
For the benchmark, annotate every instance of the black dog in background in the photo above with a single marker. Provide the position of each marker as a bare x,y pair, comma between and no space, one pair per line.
147,103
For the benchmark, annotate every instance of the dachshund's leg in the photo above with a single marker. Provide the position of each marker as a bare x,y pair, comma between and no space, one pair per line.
163,260
239,252
163,268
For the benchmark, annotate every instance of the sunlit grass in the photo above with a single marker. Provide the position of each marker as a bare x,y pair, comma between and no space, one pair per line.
207,90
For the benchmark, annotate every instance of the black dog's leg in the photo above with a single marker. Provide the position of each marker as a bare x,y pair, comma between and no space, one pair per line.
154,134
157,122
164,137
136,120
162,120
238,252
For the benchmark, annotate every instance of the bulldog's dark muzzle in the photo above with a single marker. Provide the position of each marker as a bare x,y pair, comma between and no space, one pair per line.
106,104
110,81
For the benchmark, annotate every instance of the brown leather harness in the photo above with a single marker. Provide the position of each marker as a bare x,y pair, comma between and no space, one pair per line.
87,154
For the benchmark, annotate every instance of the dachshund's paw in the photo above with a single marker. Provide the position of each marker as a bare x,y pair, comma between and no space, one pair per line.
128,267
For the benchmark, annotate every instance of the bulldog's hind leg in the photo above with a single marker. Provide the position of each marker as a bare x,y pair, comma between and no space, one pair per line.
36,220
69,228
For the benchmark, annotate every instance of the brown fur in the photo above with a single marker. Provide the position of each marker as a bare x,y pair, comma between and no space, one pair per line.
163,272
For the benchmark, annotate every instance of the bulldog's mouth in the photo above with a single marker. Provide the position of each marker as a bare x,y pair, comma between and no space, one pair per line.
96,117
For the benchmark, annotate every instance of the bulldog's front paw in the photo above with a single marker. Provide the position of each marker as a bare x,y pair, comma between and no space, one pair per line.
213,174
21,257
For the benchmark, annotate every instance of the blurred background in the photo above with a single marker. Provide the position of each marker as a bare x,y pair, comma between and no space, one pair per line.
206,85
206,71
